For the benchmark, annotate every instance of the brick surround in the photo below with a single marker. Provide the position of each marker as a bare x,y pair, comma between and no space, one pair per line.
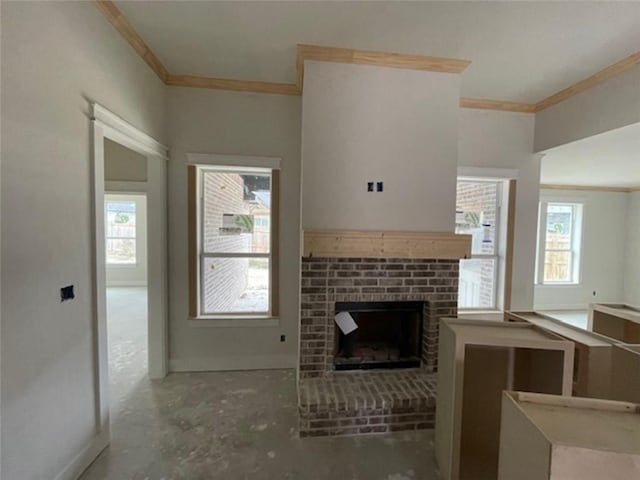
326,281
366,402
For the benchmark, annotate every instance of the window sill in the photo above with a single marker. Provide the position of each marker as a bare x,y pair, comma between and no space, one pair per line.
559,284
237,322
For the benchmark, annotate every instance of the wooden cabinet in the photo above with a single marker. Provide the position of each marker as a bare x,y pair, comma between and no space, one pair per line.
478,360
546,437
592,356
621,322
625,373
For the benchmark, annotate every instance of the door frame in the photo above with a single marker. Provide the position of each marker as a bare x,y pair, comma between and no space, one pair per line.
105,124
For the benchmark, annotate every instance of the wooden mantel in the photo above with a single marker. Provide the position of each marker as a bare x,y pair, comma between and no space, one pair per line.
362,244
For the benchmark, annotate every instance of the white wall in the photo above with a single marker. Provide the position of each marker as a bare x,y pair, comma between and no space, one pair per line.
610,105
632,256
123,164
604,231
491,139
210,121
56,57
365,123
131,275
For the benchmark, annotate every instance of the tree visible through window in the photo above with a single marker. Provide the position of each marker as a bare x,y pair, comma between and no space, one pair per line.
559,243
235,238
120,229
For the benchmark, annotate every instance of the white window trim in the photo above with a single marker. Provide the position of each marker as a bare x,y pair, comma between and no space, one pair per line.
499,177
233,161
576,240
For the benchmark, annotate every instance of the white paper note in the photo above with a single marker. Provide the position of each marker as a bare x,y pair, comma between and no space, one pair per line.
345,322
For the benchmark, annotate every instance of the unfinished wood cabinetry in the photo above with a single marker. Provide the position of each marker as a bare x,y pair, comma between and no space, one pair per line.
625,373
546,437
592,356
478,360
621,322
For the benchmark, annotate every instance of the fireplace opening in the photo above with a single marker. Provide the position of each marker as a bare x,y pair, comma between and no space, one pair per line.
389,335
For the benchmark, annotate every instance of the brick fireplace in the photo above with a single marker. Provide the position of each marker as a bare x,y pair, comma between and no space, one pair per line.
325,281
334,402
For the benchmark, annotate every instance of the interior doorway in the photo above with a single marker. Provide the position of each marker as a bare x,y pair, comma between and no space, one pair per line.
129,172
126,290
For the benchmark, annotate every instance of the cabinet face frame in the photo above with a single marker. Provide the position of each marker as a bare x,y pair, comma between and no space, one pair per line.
453,343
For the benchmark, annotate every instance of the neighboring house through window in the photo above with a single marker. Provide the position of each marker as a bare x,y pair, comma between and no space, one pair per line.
235,241
559,238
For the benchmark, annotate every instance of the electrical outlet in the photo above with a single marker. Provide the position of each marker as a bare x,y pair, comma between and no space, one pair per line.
380,186
369,186
283,338
66,293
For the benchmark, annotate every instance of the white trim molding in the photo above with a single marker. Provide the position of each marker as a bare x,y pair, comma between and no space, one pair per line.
126,134
105,124
85,458
272,163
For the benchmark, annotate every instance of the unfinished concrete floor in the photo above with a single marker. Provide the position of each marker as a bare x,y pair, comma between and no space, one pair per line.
243,425
228,425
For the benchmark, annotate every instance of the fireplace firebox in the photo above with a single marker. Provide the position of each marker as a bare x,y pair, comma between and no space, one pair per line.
389,335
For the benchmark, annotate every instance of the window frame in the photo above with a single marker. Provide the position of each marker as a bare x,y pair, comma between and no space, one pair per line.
197,256
496,255
577,221
107,237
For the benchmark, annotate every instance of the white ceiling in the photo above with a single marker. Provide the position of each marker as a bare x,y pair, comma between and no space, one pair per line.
521,51
609,159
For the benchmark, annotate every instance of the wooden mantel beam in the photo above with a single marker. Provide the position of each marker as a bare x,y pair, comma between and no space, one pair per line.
362,244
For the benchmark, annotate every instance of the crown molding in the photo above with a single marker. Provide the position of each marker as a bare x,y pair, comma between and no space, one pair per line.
589,188
118,20
232,85
347,55
590,82
368,57
481,103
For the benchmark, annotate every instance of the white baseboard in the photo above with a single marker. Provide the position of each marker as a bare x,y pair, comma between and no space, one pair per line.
213,364
81,462
126,283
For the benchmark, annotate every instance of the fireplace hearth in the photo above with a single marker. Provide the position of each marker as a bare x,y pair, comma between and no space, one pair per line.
397,304
389,335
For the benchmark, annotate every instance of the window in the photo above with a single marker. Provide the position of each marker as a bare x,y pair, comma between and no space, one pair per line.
478,214
560,232
235,240
120,218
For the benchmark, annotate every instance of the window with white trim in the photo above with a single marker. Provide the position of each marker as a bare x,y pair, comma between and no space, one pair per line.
235,241
120,229
559,238
478,214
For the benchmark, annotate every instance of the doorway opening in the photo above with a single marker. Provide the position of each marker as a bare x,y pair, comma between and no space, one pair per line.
127,162
126,290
